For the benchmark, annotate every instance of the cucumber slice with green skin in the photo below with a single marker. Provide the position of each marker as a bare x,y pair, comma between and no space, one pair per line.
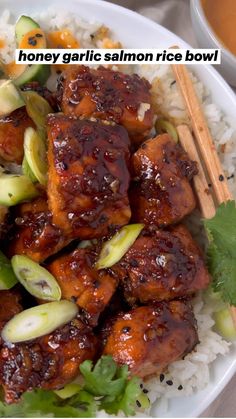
224,324
7,276
34,72
115,248
35,154
39,321
36,279
23,25
27,171
10,97
15,189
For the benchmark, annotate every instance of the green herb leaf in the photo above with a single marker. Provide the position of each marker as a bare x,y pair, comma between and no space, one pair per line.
221,230
126,401
42,403
106,386
104,379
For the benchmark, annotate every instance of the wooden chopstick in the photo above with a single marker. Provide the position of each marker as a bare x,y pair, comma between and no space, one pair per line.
206,202
205,199
202,134
207,149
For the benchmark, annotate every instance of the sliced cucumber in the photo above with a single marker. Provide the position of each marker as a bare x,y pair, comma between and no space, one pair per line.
36,279
23,25
27,171
7,276
39,321
35,154
34,72
15,189
113,250
10,97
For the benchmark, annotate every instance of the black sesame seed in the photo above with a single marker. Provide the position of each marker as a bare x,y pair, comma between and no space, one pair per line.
180,387
173,82
138,403
230,177
103,219
209,185
221,178
145,391
133,263
141,385
162,377
39,35
96,284
32,41
73,299
64,165
126,329
169,382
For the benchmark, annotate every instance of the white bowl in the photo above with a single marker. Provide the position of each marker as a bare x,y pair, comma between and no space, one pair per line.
207,38
136,31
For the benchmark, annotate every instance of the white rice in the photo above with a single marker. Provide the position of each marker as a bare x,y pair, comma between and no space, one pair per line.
192,373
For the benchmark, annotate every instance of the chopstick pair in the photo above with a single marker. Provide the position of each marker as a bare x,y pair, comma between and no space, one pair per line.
201,148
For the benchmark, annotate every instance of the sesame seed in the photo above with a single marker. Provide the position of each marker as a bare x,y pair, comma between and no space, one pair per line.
145,391
141,385
221,178
169,382
162,377
126,329
32,41
138,403
180,387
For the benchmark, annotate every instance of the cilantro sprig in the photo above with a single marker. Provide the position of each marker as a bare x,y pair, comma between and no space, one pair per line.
106,386
221,231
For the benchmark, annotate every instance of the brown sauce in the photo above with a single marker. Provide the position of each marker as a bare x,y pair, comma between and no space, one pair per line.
221,14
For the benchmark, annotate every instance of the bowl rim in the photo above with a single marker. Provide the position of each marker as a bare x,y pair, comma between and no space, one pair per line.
197,4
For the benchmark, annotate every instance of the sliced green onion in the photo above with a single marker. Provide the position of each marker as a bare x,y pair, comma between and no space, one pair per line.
15,189
36,279
37,108
35,155
10,97
68,391
224,324
39,321
7,276
114,249
163,126
27,171
143,400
